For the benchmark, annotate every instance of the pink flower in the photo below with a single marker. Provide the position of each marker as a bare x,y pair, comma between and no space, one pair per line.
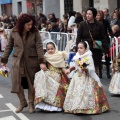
80,62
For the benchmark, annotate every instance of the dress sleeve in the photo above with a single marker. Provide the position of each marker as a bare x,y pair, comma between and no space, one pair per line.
91,66
91,70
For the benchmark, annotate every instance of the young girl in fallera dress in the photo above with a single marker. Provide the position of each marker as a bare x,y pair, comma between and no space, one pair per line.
85,93
51,83
114,86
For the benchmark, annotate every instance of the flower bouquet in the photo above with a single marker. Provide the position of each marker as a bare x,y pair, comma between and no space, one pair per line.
4,71
83,63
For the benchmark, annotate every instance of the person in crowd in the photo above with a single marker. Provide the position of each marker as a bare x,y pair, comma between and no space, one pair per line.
108,32
114,86
54,27
43,27
70,59
52,18
1,25
74,28
42,19
51,83
9,26
85,93
93,31
65,22
49,27
4,39
78,18
116,33
116,10
73,35
61,27
114,19
116,30
28,58
71,20
106,15
72,53
84,14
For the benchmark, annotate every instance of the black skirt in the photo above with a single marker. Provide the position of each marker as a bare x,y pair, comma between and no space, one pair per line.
24,83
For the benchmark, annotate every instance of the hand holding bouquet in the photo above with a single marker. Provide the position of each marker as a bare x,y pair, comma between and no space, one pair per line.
4,71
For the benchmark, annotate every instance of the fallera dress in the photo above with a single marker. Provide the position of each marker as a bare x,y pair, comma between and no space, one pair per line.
85,93
114,86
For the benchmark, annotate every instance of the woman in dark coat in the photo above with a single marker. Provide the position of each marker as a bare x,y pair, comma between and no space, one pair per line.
108,32
27,58
98,33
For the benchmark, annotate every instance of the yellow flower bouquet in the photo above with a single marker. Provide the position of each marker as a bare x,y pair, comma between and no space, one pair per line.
82,62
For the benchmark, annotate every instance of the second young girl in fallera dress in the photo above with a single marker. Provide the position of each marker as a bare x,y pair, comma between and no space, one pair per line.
85,93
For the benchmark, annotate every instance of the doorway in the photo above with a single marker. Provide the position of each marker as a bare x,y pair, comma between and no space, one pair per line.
91,3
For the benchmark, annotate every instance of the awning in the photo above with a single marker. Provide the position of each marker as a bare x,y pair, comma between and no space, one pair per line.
5,2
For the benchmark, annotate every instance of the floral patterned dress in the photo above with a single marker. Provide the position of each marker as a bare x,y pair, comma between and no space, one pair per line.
85,94
114,86
50,90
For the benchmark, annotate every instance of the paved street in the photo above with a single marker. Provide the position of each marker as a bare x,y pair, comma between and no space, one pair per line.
9,102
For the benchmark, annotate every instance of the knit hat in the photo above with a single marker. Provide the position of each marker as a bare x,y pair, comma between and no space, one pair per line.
94,11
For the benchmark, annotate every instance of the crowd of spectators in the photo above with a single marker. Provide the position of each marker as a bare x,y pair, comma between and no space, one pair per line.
69,22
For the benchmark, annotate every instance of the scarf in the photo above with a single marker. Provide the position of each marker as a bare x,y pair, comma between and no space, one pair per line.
113,21
86,54
57,59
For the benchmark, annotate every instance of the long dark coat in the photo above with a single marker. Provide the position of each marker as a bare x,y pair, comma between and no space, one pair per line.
98,33
31,52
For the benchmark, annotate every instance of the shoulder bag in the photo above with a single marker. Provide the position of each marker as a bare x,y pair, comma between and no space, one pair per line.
97,44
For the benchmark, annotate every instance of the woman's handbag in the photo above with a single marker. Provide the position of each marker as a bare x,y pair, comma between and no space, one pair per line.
97,44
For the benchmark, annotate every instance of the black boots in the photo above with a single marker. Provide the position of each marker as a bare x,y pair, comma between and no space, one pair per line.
107,59
108,72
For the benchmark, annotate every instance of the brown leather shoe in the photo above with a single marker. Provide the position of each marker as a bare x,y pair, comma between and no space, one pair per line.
31,108
21,106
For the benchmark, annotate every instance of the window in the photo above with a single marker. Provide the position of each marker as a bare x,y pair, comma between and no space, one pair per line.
68,5
118,3
91,3
19,7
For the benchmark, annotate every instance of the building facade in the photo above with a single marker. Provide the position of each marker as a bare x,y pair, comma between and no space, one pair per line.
5,7
27,6
59,7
